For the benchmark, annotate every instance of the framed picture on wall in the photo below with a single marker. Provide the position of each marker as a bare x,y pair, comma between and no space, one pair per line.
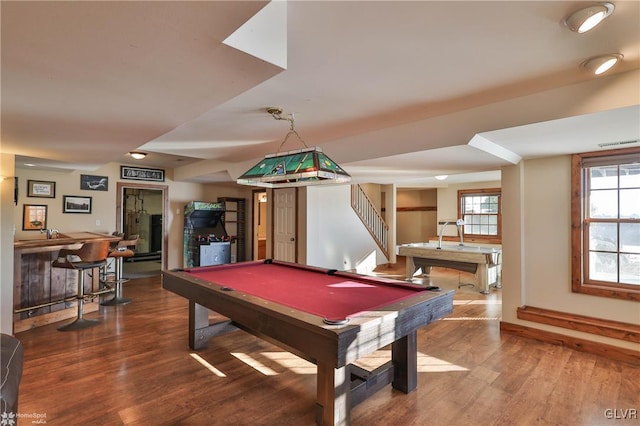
141,173
76,204
94,183
41,188
34,217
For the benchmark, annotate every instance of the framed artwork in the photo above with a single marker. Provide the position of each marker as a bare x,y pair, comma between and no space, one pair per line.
41,188
34,217
94,183
76,204
140,173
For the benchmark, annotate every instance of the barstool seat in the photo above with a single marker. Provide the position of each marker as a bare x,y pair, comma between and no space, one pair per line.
123,249
91,255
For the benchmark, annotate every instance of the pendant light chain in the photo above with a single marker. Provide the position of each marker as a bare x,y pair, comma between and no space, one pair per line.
276,113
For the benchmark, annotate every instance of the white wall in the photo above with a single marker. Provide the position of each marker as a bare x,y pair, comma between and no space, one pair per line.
336,238
536,197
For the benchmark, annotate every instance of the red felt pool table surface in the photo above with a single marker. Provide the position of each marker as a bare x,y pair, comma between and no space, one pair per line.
330,295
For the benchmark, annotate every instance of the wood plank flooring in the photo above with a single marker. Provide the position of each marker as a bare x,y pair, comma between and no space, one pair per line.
135,368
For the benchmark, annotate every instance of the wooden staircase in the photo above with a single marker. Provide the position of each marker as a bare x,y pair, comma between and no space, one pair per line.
371,218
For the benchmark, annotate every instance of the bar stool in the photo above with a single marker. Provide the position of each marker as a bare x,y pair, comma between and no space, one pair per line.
105,275
91,255
123,249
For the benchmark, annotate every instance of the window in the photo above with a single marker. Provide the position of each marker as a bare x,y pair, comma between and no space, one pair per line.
606,223
481,211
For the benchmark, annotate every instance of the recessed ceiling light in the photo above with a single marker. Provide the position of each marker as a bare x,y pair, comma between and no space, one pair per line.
601,64
589,17
442,177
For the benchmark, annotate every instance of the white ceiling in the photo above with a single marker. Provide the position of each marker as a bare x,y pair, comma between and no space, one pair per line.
396,92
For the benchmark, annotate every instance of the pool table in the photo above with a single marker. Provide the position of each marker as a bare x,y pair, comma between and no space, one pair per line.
328,317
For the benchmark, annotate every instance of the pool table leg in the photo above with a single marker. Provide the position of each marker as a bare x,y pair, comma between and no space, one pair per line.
404,355
410,268
483,278
198,320
201,331
333,405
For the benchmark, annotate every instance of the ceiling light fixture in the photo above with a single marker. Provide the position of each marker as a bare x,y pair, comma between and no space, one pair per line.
601,64
137,155
442,177
589,17
300,167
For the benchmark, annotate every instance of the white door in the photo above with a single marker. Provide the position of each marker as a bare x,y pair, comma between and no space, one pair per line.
284,224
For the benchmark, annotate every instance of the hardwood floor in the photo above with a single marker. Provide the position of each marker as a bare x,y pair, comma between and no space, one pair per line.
135,368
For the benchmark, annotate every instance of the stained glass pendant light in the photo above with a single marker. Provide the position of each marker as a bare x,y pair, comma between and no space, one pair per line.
300,167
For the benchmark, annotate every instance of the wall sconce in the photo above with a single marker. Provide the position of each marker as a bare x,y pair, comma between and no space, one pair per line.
589,17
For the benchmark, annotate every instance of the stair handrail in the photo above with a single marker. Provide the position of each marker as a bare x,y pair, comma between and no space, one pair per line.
370,217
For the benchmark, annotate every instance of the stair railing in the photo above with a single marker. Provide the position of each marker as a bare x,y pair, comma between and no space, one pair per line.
370,217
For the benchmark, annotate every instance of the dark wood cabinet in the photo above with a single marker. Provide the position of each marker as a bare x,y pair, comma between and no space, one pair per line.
235,222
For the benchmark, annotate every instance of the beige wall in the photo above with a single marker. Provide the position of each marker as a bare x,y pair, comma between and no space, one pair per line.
6,243
423,226
374,192
416,226
103,215
101,219
536,197
536,234
180,193
262,226
448,202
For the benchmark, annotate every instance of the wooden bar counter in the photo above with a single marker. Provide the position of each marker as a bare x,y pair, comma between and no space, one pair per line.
36,282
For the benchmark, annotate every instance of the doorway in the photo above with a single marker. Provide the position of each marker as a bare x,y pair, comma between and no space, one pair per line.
259,225
141,210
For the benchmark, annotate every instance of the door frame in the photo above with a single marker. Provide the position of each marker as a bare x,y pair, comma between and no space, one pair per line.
121,186
255,216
